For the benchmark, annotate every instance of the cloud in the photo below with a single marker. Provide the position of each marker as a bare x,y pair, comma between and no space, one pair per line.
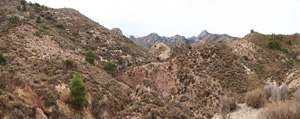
189,17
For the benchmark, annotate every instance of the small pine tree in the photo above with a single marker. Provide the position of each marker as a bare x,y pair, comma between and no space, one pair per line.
24,8
110,67
90,57
77,89
38,19
2,59
23,2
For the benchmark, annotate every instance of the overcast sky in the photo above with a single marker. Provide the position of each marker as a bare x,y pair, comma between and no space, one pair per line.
189,17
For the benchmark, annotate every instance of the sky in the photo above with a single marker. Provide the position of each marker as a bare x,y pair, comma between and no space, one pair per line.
189,17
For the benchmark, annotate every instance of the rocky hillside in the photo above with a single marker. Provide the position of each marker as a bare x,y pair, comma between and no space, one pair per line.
148,41
43,48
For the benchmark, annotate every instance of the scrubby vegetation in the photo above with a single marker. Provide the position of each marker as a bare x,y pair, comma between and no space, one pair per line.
48,17
2,59
60,26
274,45
37,33
69,63
255,98
38,19
77,89
90,57
228,104
281,110
23,2
110,67
245,58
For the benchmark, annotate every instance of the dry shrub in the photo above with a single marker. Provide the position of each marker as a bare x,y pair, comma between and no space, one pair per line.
284,90
268,89
228,104
255,98
281,110
297,95
275,93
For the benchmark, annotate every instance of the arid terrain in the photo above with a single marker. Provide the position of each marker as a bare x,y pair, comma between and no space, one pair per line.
44,47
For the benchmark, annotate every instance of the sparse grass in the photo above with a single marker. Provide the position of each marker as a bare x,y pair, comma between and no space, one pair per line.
228,104
281,110
256,98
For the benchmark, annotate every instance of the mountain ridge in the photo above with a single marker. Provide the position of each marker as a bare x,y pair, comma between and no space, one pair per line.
148,41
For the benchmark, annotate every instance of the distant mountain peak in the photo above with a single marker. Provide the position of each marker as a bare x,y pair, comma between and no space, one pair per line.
203,33
153,34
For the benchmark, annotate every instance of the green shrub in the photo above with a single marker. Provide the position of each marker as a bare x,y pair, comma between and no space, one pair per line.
31,15
220,41
48,17
77,89
274,45
38,19
45,27
18,8
37,4
23,2
60,26
289,42
189,47
90,57
2,59
284,50
24,8
14,19
110,67
37,33
245,58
